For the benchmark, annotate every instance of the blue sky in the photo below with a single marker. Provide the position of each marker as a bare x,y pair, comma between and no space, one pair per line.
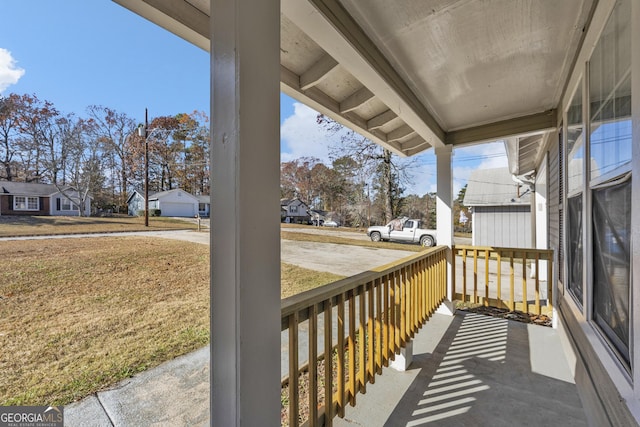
77,53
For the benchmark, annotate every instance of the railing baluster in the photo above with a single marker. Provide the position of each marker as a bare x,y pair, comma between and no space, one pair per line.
454,253
433,274
397,302
475,276
378,341
351,343
537,282
550,301
499,279
405,293
293,370
362,341
386,333
464,275
486,277
412,305
392,316
371,352
340,369
422,291
313,365
441,268
512,283
328,364
525,299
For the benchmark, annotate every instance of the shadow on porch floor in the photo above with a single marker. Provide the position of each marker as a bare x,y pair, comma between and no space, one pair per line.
475,370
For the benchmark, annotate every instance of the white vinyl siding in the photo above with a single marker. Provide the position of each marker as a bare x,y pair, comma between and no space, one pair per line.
503,226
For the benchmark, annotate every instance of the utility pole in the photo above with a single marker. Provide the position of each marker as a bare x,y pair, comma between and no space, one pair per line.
144,132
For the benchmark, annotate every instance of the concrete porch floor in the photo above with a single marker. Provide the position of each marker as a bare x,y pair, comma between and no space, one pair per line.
475,370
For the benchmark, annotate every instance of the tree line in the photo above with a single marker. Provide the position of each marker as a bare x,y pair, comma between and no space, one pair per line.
101,153
363,183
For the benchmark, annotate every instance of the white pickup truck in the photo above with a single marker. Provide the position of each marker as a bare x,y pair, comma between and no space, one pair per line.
403,230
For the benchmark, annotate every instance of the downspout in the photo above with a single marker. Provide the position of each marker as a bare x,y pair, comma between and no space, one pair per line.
529,179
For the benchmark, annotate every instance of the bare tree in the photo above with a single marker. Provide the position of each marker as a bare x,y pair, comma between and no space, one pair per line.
384,171
113,130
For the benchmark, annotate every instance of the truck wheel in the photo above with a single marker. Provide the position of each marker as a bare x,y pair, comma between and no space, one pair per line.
375,236
426,241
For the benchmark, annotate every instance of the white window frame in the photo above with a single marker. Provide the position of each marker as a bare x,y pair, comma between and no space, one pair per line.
72,206
27,201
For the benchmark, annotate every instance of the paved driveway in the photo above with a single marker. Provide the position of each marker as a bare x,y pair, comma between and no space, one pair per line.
345,260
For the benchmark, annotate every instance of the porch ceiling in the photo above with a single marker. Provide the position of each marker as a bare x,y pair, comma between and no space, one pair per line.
411,77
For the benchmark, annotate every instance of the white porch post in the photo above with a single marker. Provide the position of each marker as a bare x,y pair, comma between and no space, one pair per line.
444,213
245,226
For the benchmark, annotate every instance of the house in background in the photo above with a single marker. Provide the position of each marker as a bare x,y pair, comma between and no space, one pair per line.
501,209
25,198
170,203
294,210
318,216
204,206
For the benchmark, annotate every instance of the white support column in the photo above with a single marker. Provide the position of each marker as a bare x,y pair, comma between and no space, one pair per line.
444,214
245,249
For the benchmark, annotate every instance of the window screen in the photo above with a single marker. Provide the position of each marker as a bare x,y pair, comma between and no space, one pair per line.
611,263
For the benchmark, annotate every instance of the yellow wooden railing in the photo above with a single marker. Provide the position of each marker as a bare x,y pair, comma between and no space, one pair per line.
373,315
504,278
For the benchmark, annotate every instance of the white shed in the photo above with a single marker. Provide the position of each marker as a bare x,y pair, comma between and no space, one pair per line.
501,209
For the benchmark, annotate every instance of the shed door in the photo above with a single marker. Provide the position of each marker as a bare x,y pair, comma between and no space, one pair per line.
177,209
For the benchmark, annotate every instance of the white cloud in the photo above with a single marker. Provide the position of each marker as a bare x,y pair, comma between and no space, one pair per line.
9,73
301,136
465,160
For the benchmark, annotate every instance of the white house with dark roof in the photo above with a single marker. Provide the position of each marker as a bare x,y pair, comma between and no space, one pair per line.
294,210
26,198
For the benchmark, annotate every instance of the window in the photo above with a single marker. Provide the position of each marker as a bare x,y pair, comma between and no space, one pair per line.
293,209
65,204
609,181
23,203
575,143
574,165
574,247
610,98
611,268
